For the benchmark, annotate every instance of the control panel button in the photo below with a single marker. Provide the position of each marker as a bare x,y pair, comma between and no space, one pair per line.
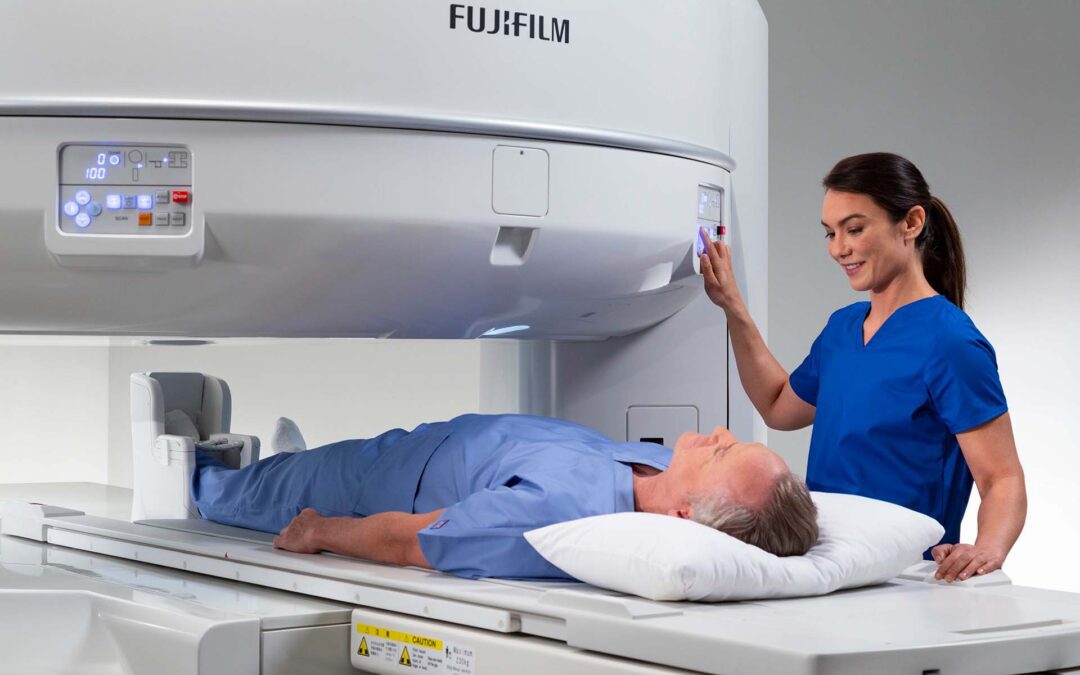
94,209
146,218
161,196
70,209
114,201
161,219
129,201
181,196
145,202
178,218
82,220
82,197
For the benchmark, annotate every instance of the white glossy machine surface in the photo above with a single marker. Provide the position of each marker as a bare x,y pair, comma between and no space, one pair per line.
413,170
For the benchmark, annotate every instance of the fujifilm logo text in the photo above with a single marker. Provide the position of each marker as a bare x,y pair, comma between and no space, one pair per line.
510,23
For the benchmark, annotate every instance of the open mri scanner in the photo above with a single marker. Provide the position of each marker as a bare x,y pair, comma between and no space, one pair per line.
276,170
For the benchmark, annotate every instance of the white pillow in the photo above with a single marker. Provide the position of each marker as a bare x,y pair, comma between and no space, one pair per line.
863,541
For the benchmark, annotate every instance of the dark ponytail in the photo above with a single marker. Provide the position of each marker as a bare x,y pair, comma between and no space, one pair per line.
897,185
942,253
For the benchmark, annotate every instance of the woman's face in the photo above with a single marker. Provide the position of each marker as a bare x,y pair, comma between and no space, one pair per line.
871,249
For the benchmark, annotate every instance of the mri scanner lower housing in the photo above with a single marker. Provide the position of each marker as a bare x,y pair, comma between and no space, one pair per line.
491,626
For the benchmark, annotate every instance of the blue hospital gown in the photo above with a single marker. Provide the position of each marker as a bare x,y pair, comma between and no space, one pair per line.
495,476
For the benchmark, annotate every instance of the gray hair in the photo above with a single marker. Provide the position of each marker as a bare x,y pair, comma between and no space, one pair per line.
785,525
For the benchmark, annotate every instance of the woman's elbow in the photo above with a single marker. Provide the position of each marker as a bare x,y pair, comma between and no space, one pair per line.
779,421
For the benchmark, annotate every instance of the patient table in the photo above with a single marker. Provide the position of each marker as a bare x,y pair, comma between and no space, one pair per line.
377,615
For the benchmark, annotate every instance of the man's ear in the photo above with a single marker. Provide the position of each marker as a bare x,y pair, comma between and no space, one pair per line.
683,512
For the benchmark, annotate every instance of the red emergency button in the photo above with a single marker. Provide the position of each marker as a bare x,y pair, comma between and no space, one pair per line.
181,196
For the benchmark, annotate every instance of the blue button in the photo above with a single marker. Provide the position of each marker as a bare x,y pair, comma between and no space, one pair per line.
71,208
129,201
145,202
82,220
82,197
114,202
94,209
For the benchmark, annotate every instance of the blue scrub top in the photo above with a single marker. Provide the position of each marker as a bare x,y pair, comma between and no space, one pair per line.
888,412
496,477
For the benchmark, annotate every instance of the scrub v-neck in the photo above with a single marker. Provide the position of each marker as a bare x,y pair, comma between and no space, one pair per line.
862,342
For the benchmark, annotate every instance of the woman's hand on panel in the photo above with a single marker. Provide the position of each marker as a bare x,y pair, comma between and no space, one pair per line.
963,561
718,273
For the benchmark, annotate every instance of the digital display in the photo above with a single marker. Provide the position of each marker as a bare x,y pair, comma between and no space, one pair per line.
120,165
102,162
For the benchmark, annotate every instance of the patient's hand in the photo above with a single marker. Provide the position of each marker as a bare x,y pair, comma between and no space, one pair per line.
301,535
962,561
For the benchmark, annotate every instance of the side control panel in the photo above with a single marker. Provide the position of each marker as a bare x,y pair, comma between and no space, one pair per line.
710,220
710,215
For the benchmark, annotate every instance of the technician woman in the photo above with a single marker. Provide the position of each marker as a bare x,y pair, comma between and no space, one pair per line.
903,390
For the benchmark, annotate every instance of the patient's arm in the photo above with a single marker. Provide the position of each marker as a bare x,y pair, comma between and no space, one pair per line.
384,537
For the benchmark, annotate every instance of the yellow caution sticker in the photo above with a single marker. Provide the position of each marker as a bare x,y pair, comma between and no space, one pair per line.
381,649
398,636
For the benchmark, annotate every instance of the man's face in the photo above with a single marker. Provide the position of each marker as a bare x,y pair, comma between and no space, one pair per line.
721,465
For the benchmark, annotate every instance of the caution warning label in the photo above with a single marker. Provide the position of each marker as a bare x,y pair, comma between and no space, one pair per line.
385,650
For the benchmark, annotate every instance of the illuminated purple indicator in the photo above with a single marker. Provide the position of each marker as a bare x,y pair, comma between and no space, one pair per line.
114,202
82,220
164,160
82,197
71,208
145,202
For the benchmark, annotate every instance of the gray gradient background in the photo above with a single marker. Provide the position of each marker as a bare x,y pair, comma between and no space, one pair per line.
984,96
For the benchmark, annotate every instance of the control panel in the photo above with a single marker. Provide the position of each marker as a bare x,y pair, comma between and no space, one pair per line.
710,216
124,188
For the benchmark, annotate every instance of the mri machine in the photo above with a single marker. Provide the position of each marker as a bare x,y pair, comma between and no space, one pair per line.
281,164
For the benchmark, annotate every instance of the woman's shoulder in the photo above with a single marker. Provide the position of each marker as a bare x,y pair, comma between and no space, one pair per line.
948,317
951,326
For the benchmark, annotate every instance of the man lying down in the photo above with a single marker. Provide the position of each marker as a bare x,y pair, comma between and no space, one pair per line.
457,496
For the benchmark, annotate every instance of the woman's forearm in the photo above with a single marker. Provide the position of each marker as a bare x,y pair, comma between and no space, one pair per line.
761,375
1002,514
